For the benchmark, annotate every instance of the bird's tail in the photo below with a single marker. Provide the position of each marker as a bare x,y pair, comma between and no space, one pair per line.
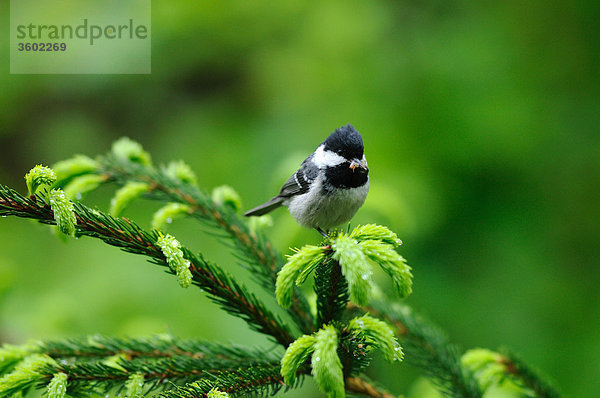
265,207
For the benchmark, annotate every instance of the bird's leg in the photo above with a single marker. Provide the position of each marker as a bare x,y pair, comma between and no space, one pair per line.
322,232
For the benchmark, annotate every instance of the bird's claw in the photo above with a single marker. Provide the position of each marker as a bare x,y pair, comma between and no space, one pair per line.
325,235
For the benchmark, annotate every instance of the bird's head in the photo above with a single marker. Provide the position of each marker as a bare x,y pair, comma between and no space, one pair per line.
345,141
343,146
342,156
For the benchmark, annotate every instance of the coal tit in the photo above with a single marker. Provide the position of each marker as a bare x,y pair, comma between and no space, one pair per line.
330,186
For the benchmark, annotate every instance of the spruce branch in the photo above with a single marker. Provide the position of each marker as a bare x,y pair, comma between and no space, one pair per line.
256,380
25,375
125,234
99,363
332,292
354,253
262,380
158,373
89,376
528,376
98,346
353,351
428,349
256,252
335,354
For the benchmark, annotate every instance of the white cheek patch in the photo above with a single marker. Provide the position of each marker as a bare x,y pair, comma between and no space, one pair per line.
325,158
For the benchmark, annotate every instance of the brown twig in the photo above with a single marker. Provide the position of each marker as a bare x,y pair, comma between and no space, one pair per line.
361,386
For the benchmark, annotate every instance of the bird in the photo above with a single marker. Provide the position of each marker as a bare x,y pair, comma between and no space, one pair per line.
329,187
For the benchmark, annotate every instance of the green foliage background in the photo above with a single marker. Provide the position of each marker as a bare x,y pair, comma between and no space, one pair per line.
481,128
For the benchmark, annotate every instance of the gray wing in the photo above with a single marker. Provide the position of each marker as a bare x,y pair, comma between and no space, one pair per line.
297,184
300,181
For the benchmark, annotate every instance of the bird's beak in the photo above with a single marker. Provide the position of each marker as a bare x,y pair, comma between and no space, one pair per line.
355,163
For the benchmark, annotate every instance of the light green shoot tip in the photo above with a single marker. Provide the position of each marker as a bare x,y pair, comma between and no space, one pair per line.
355,268
487,366
125,195
75,166
227,196
214,393
182,172
13,354
128,149
375,232
169,212
355,253
259,223
57,388
378,334
25,375
295,271
391,262
365,245
134,387
64,211
296,354
326,365
39,176
81,185
171,248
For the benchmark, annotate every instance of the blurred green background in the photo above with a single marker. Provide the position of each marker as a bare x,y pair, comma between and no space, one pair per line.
481,125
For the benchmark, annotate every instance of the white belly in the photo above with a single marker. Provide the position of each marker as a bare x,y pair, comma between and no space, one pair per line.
314,209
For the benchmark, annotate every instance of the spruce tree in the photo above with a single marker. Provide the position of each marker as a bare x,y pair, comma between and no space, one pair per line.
351,318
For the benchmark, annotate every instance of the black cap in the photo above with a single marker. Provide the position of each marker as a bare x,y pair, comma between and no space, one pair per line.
345,141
